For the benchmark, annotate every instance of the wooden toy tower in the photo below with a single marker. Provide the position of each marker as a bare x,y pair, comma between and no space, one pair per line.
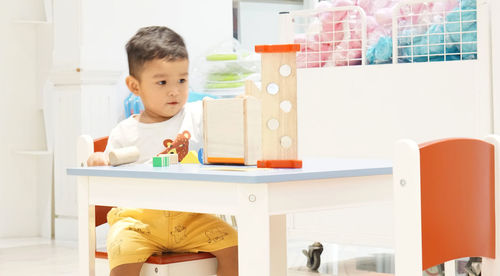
278,97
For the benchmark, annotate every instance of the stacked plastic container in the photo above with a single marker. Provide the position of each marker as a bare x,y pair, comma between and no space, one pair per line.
222,72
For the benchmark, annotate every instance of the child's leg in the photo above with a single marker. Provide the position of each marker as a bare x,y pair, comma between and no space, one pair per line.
129,244
193,232
127,270
227,261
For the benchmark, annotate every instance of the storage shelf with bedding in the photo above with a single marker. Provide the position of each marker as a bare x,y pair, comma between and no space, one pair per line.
357,32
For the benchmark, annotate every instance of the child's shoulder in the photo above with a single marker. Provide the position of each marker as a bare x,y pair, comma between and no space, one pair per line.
125,125
131,121
196,106
194,109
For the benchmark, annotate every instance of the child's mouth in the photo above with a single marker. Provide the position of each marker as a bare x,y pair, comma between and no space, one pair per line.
173,103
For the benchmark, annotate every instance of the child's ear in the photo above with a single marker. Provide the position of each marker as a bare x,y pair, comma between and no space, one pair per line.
132,84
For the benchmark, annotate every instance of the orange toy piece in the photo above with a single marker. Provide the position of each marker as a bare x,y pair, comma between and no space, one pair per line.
225,160
282,48
293,164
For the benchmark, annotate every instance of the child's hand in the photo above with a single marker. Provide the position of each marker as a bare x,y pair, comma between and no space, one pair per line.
97,159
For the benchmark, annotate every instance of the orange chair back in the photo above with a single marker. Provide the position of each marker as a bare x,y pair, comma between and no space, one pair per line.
100,144
458,200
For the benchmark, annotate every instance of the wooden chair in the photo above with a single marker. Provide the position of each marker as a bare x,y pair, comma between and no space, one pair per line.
446,199
171,264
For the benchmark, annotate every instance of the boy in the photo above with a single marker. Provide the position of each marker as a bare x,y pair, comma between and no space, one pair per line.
158,67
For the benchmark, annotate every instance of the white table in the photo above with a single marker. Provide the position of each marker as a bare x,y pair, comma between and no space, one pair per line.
260,198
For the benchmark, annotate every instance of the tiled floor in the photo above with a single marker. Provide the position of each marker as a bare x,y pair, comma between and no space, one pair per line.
34,256
37,257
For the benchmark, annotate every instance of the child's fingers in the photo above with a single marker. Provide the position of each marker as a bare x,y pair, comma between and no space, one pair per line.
97,159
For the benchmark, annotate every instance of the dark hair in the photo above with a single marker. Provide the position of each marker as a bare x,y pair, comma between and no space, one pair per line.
151,43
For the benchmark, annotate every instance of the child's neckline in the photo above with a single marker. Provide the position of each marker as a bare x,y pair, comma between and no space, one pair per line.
136,117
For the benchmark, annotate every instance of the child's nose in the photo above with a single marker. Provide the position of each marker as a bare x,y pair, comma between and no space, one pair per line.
172,91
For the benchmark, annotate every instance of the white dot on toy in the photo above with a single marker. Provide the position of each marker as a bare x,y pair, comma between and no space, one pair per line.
286,141
285,70
273,88
273,124
286,106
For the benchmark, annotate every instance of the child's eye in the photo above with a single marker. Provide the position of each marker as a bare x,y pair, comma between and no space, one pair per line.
182,80
162,82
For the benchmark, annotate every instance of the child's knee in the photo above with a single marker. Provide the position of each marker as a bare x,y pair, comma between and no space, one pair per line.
227,260
227,255
127,245
127,269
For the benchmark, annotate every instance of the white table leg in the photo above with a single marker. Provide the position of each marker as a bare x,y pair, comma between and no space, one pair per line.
253,230
86,229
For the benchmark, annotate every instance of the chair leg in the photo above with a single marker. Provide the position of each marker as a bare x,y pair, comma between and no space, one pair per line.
491,267
450,268
407,216
86,229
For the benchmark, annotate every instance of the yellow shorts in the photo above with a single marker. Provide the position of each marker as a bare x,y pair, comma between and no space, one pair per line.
136,234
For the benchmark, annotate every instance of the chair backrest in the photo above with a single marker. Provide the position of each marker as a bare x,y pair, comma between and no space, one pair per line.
100,144
457,182
444,194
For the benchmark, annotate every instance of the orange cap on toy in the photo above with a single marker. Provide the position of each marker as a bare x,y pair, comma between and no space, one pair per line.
292,164
279,48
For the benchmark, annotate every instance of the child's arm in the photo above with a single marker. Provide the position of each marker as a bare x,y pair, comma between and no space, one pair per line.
97,159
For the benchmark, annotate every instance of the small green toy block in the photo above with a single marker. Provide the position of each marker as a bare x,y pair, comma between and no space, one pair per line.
165,161
162,160
157,162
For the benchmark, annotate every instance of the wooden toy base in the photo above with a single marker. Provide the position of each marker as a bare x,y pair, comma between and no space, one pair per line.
293,164
225,160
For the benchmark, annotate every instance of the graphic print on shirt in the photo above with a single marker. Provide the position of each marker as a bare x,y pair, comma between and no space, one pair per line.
180,146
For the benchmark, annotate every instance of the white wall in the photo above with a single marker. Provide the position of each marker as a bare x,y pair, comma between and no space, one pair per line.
21,119
259,22
107,26
495,54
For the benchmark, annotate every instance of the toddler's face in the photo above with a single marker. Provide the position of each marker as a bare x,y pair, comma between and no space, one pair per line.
163,88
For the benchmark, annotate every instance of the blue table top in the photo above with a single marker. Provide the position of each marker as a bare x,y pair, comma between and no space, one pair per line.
319,168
